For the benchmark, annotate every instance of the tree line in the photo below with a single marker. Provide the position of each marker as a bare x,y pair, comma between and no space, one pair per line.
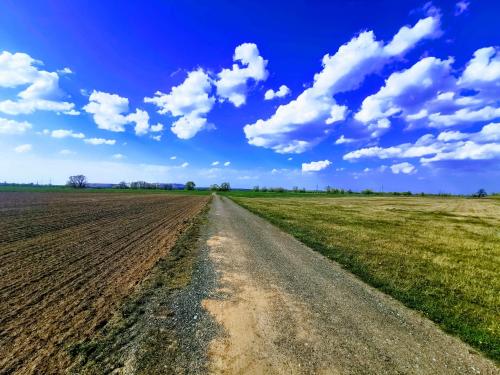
80,181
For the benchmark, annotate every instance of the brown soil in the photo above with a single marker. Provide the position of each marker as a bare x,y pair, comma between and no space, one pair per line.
67,261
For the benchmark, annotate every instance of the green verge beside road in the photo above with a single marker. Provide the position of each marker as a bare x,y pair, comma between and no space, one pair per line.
440,256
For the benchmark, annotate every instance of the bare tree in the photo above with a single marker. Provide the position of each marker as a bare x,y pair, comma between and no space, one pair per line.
78,181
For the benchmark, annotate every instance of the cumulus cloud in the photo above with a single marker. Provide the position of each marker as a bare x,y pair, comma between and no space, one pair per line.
23,148
118,156
43,92
227,164
110,113
141,119
281,93
303,122
173,157
184,165
405,92
190,101
66,152
428,94
483,71
448,145
231,83
315,166
13,126
99,141
63,133
404,168
108,110
215,163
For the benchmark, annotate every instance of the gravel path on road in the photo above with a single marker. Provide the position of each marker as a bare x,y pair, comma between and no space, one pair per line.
286,309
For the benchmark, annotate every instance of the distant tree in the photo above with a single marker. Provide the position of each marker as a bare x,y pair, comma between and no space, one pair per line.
295,189
263,188
225,186
140,185
214,187
256,188
190,185
122,185
481,193
328,189
367,192
168,187
78,181
349,191
302,190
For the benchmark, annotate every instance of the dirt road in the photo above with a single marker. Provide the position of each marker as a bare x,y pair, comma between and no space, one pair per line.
285,309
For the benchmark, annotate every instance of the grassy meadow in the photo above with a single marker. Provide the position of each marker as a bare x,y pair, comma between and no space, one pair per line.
440,256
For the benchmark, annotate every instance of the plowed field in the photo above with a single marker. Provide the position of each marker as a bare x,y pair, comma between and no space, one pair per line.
67,260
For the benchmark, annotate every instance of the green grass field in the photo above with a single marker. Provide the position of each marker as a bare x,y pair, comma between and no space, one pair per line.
65,189
437,255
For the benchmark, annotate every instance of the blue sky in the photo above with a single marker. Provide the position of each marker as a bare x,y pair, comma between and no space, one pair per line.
358,94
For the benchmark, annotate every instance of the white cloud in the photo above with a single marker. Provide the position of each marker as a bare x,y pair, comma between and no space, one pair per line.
66,152
281,93
13,126
404,92
118,156
461,7
63,133
464,115
184,165
448,145
99,141
343,140
405,168
315,108
156,137
227,164
23,148
232,83
65,71
427,94
483,71
157,128
108,110
215,163
141,119
468,150
43,92
173,157
110,113
191,101
315,166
